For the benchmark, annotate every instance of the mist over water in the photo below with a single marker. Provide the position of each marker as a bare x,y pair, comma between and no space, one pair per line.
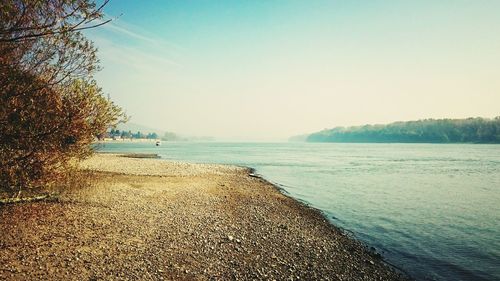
429,209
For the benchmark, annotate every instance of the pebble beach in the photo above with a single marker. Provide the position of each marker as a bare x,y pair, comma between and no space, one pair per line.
150,219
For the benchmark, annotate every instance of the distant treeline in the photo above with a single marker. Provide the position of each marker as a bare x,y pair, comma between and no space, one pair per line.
168,136
470,130
117,134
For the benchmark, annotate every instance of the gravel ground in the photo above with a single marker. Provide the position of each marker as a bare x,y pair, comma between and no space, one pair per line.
150,219
116,163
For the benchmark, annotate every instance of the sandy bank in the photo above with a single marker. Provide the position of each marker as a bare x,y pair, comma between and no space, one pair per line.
158,220
116,163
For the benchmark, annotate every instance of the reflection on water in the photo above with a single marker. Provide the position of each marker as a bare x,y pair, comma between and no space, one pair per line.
431,209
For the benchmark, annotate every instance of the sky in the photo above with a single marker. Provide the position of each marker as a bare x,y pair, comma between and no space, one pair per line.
268,70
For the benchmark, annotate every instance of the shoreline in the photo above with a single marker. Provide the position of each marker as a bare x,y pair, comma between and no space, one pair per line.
150,219
346,232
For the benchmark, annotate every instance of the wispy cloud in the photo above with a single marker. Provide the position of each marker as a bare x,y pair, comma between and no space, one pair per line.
126,44
121,27
113,27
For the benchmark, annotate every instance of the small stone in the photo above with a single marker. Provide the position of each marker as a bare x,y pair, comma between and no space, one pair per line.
230,238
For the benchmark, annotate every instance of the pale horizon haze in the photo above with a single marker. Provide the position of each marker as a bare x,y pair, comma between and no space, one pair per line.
268,70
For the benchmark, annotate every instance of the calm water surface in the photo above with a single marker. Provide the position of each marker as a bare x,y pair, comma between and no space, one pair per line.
431,209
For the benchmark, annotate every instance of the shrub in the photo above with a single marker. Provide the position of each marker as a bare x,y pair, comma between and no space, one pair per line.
51,109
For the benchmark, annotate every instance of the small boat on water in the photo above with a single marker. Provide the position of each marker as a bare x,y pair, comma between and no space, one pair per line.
158,143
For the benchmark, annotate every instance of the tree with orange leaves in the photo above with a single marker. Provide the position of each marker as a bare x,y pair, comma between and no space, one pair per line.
51,108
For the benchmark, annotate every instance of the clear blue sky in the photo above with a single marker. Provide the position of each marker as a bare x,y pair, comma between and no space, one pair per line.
266,70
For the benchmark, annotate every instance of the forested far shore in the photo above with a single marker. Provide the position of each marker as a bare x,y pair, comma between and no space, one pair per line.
116,134
469,130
